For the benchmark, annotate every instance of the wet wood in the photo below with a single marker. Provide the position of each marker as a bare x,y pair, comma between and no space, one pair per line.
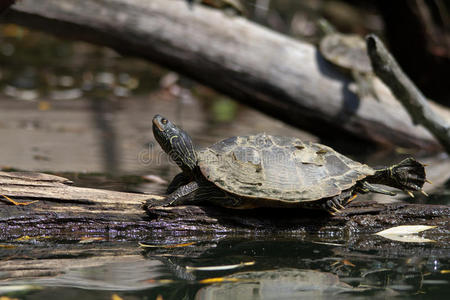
70,212
283,77
358,217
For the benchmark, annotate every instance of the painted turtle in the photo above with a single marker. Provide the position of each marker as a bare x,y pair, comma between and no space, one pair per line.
273,171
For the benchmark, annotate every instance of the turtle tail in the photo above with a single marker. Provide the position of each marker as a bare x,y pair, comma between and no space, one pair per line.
408,175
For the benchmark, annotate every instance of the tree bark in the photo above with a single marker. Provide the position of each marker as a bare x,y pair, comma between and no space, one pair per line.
386,67
283,77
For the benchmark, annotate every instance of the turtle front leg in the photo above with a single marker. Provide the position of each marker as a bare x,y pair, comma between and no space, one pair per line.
185,194
178,181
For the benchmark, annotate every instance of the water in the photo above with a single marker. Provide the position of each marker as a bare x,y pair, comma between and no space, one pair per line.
86,115
283,267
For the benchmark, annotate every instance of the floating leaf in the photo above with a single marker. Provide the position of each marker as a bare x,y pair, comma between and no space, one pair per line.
405,229
221,268
18,288
166,246
160,281
406,233
27,238
87,240
23,238
343,262
218,280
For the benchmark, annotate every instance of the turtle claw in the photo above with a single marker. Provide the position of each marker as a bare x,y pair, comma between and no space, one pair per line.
331,208
409,193
428,181
353,197
423,192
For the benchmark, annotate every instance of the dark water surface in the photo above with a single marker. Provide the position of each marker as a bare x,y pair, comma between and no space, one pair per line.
85,112
265,267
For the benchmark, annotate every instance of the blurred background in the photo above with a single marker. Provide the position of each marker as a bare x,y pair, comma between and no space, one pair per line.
84,110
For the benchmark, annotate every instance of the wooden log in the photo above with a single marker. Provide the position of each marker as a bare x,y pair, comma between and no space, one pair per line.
94,228
283,77
71,212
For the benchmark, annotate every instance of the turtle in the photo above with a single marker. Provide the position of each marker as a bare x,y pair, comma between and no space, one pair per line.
262,170
348,52
232,7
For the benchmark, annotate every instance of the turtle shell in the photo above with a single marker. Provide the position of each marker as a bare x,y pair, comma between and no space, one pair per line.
348,51
279,168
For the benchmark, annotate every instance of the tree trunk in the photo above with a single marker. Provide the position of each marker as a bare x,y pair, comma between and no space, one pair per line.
283,77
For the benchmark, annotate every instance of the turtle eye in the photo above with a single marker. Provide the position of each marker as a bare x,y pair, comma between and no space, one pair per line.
164,121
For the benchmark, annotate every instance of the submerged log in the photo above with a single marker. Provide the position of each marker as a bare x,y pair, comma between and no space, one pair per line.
283,77
70,212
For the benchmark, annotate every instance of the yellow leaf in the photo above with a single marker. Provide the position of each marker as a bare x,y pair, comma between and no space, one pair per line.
44,105
87,240
23,238
7,298
116,297
218,280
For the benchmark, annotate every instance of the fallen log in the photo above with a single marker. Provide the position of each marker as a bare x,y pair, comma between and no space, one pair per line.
69,212
100,228
283,77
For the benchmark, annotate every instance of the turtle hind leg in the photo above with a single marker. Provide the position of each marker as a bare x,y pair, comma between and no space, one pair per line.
335,204
408,175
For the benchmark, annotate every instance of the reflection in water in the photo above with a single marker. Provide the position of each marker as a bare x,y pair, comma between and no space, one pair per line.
301,269
283,268
276,284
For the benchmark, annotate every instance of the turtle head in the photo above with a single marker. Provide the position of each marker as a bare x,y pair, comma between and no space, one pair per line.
175,142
